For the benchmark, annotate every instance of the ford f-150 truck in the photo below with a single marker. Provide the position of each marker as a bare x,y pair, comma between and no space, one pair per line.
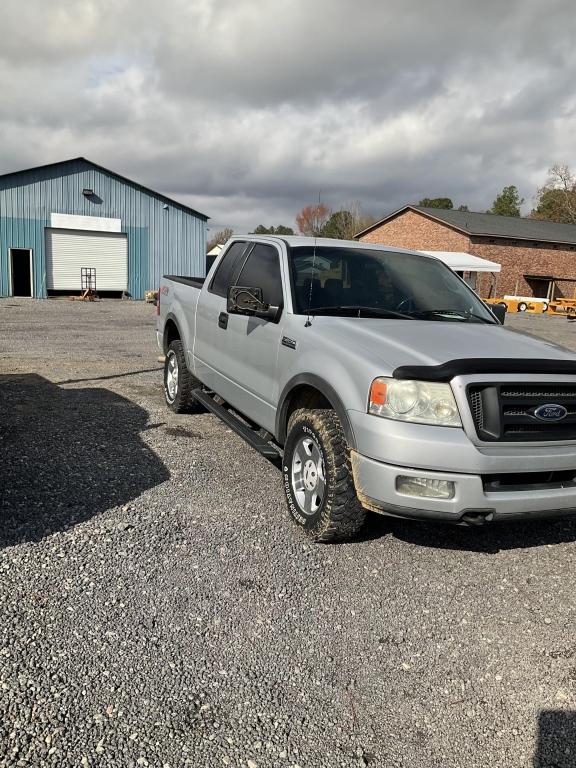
377,378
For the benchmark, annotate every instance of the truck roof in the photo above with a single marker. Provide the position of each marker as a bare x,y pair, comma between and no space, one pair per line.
301,240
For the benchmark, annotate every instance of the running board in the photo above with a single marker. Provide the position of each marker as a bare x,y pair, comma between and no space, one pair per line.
252,437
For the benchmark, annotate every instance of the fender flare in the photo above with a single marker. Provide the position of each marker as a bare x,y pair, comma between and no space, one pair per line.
325,389
170,316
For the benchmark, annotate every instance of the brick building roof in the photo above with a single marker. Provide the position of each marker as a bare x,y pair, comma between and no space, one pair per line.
490,225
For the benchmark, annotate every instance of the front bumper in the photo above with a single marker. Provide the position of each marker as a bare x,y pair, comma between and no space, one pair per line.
375,484
451,449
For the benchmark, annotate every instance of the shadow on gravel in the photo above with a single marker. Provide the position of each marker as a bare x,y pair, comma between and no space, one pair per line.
489,539
556,746
112,376
66,455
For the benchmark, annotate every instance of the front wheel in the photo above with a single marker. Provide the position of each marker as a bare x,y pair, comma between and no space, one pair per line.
179,383
318,479
522,307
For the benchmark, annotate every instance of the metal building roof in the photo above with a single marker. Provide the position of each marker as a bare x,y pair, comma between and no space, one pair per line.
490,225
118,176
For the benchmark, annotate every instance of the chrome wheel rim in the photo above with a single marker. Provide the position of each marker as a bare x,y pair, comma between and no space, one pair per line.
172,377
308,477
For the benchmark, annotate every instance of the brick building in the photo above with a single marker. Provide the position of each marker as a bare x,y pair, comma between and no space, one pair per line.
538,258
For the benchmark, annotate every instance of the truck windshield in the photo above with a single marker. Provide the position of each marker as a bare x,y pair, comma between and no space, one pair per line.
347,281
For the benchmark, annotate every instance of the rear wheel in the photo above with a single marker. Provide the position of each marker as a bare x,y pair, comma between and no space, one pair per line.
318,478
179,383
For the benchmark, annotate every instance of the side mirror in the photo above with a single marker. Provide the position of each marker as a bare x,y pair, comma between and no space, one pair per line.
499,310
249,301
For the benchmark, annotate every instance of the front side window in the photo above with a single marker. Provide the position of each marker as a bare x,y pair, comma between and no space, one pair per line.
262,270
344,280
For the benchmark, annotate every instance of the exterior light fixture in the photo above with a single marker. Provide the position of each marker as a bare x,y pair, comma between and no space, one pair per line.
87,192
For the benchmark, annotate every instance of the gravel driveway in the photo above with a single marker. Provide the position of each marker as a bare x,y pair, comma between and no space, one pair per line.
158,608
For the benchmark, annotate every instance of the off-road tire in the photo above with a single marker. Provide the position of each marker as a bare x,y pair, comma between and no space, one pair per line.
340,515
182,400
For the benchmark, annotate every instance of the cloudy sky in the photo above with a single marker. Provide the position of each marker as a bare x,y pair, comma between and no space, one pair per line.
246,109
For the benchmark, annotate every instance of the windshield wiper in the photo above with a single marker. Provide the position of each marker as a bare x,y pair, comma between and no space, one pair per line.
358,310
460,314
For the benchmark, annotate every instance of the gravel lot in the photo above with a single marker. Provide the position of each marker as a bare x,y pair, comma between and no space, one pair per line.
158,608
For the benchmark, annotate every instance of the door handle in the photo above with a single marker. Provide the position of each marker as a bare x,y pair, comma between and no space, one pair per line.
223,320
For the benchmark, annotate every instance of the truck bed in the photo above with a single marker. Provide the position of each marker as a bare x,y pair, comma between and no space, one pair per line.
196,282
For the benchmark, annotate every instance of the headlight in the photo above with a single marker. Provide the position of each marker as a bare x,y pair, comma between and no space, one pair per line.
423,402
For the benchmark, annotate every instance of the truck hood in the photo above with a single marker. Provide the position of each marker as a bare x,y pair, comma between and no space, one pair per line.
394,343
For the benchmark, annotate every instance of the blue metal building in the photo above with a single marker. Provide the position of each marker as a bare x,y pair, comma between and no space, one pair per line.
59,220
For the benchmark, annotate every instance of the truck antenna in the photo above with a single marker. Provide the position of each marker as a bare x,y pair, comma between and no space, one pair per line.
308,322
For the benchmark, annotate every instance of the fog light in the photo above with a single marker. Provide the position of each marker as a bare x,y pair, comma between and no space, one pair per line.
425,487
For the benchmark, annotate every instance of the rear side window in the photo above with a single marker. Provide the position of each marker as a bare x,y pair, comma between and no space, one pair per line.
262,270
224,276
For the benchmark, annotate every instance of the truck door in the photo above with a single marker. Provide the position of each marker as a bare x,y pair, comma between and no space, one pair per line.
248,346
209,354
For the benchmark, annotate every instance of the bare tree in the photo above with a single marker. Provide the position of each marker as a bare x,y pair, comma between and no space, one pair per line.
319,221
312,218
360,219
219,238
556,200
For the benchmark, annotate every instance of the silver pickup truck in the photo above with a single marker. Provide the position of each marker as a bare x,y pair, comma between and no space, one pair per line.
377,379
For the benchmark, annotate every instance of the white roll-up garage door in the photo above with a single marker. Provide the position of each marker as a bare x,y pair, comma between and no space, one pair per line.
67,251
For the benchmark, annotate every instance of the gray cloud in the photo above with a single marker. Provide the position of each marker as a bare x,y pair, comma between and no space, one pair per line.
247,110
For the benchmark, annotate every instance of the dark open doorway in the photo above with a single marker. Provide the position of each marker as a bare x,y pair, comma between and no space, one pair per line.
21,271
542,287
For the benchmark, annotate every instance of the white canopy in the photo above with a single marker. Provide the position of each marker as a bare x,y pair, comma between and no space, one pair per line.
464,262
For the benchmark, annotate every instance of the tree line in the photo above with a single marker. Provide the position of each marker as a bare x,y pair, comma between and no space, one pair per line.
219,238
554,201
314,220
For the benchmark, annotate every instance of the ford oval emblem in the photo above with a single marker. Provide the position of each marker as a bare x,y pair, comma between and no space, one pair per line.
550,412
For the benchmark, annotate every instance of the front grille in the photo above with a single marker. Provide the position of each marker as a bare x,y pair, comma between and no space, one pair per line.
477,410
537,390
506,412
